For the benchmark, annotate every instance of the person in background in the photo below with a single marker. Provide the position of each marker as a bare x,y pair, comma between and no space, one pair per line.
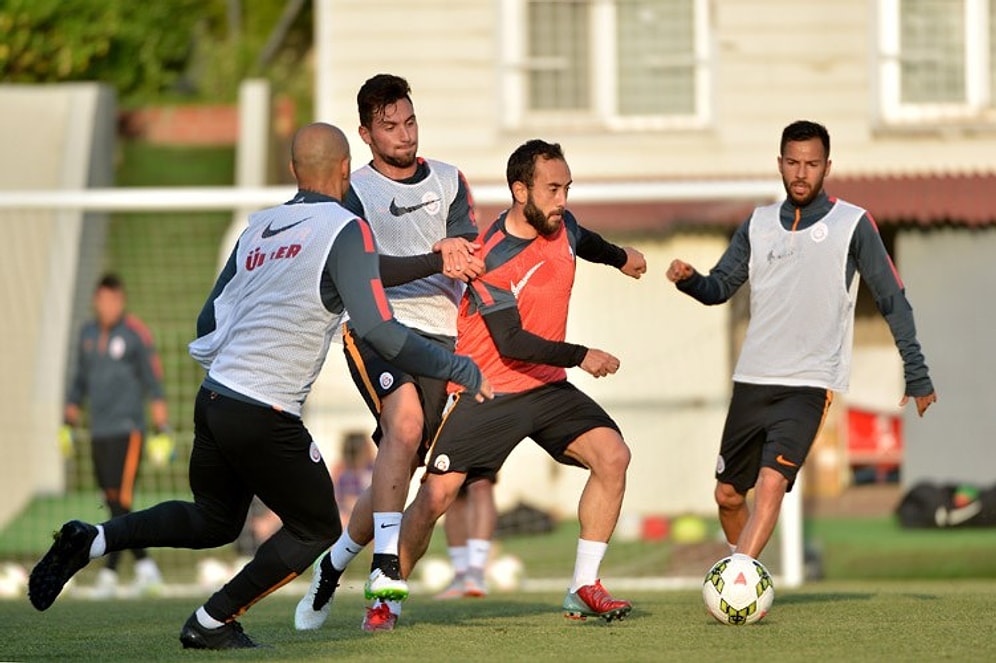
352,474
470,525
117,372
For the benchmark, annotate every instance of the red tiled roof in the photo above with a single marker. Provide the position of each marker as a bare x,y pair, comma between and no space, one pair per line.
963,200
926,200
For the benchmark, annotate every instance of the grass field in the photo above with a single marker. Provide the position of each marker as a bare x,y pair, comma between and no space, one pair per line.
844,621
891,595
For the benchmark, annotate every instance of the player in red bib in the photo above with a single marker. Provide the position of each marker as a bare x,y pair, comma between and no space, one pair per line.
513,322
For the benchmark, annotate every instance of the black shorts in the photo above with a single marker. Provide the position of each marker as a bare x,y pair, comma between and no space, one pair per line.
769,426
375,378
476,438
116,459
241,450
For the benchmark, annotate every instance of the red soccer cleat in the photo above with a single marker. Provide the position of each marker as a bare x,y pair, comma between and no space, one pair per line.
594,601
379,618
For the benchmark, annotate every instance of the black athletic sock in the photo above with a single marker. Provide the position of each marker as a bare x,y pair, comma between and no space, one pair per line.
390,565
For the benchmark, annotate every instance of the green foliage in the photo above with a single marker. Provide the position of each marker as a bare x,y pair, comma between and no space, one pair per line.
148,50
139,48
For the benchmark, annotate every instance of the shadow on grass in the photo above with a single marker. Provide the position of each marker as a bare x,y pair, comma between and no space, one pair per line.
465,613
824,597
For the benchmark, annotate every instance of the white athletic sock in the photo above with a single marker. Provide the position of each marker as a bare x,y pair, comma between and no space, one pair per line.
459,558
387,529
733,547
206,620
477,553
343,551
742,556
589,559
99,545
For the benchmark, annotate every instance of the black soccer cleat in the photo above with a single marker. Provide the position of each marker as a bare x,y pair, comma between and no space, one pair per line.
229,636
69,553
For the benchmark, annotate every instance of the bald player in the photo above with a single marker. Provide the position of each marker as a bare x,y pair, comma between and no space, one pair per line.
262,336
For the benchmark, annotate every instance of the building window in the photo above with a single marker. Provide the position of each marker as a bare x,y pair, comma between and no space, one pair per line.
624,64
937,61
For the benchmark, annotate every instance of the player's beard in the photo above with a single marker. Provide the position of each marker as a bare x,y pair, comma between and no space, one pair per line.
405,161
543,224
813,192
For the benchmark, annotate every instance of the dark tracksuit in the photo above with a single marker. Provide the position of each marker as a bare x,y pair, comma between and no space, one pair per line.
117,370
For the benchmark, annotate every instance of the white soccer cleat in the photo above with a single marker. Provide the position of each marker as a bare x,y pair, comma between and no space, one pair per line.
148,579
380,586
474,586
313,609
453,591
106,586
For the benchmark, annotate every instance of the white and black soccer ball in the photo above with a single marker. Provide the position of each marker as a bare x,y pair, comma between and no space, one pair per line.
738,590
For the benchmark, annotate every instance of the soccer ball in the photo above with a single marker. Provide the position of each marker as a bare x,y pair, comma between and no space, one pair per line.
738,590
13,580
506,573
435,573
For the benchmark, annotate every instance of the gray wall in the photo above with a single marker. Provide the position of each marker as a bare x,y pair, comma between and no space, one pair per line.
54,137
950,280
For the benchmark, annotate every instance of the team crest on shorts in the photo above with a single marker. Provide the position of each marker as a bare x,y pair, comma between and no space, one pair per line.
316,455
442,463
386,380
720,464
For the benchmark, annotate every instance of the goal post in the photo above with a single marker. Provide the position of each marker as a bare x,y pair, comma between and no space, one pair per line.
18,207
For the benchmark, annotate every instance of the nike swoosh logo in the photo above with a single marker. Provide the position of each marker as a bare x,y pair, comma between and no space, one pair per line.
386,525
352,552
949,517
401,211
269,231
782,460
517,287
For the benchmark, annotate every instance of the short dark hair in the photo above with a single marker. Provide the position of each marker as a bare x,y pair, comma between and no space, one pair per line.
522,162
379,92
110,281
804,130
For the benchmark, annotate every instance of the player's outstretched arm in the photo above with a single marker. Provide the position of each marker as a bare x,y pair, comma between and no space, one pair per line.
499,310
453,257
724,279
353,267
459,261
594,248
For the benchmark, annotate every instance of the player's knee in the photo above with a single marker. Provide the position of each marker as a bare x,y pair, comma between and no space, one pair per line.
219,534
614,459
727,497
771,480
438,493
404,430
482,490
219,529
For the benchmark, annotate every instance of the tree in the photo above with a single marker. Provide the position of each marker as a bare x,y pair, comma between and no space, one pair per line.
139,48
198,49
